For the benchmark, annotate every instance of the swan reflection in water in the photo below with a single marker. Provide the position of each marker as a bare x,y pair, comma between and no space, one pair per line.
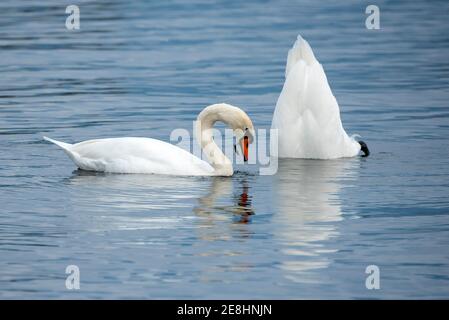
306,197
132,202
135,201
228,203
241,199
300,239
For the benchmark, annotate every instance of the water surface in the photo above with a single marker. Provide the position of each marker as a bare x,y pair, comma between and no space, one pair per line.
140,68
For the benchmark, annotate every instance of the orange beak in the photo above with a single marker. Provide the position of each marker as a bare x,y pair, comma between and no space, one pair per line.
245,146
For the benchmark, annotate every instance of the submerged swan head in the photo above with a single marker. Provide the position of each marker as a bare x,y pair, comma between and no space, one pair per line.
237,120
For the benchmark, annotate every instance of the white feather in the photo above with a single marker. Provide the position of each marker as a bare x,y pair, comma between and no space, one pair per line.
307,115
134,155
146,155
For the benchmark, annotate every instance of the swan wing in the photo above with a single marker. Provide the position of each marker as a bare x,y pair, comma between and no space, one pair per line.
307,114
134,155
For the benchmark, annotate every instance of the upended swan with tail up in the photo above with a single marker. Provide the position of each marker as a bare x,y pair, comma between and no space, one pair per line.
307,115
146,155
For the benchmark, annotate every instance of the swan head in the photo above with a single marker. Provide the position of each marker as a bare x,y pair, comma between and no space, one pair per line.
244,137
244,133
235,118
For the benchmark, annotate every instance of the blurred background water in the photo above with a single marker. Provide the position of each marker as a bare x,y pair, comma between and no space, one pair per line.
142,68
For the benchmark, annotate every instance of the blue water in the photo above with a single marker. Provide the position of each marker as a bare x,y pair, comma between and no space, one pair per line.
142,68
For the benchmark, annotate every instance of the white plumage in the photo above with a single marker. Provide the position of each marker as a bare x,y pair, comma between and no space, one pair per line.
134,155
307,114
146,155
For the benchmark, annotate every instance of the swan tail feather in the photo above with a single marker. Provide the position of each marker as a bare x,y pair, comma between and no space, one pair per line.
301,50
62,145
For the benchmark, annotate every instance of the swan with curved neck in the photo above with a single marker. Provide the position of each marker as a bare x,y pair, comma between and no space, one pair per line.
237,120
146,155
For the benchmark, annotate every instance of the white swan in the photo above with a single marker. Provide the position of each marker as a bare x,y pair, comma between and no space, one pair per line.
307,115
145,155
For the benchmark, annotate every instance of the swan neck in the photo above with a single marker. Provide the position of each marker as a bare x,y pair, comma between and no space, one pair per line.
205,132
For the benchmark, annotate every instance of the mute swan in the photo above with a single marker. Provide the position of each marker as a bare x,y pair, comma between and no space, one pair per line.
145,155
307,115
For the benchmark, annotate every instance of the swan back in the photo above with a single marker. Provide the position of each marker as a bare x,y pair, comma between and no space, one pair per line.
134,155
146,155
307,115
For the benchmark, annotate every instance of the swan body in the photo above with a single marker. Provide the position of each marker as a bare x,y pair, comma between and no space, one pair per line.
134,155
146,155
307,115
